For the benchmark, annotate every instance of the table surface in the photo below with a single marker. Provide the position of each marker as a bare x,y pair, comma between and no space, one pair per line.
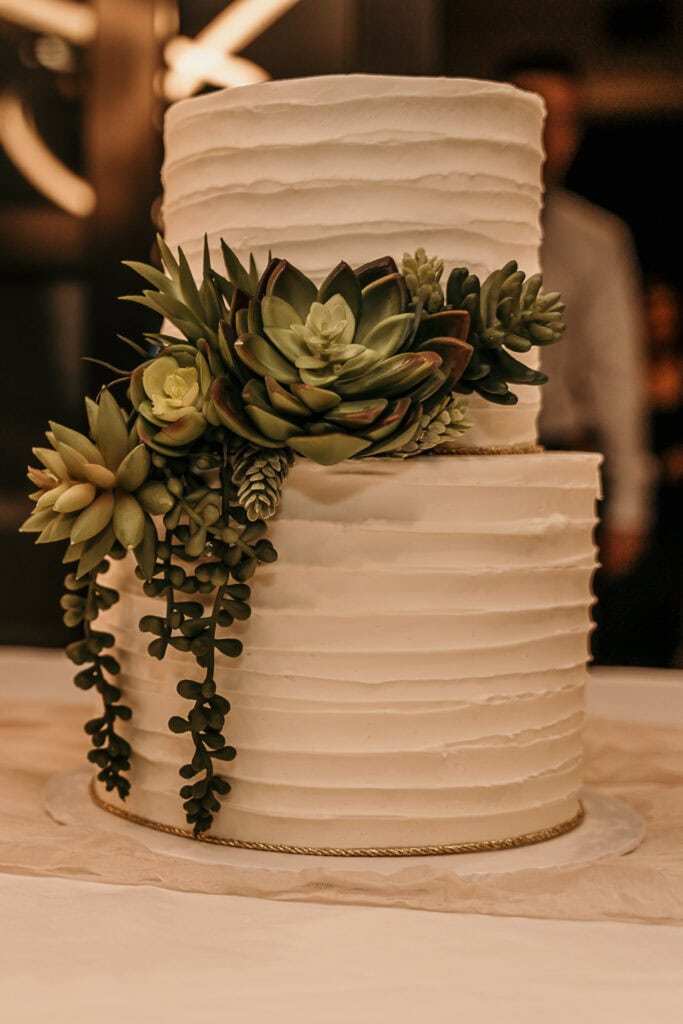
73,951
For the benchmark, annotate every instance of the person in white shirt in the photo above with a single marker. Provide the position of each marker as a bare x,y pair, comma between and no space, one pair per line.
594,397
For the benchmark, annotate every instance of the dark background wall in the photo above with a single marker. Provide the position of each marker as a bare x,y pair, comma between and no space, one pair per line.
60,275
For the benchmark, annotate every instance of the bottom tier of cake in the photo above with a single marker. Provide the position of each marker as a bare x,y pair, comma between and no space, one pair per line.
413,668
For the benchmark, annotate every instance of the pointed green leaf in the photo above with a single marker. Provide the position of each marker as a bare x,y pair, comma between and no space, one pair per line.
390,422
182,431
317,399
134,469
73,553
237,275
230,409
73,461
151,274
265,360
375,269
289,284
112,431
329,449
388,336
386,297
188,287
79,442
449,323
128,520
358,415
342,281
95,550
283,401
399,438
37,521
92,411
58,529
393,377
94,518
272,426
168,260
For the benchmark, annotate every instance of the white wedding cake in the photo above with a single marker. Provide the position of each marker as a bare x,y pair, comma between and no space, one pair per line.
413,670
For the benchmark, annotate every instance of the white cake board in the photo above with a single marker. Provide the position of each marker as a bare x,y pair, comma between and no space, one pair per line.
611,828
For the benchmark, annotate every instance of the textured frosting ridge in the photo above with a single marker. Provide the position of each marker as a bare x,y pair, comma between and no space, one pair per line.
359,166
414,664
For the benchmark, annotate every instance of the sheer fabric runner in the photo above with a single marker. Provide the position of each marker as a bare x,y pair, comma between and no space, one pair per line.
641,764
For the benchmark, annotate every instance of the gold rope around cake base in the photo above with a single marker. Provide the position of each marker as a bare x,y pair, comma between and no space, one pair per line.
330,851
496,449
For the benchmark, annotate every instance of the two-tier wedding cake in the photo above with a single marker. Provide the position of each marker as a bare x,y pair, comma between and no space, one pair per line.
413,668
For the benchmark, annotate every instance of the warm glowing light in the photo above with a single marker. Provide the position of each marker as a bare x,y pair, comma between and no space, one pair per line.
54,53
38,164
210,57
201,64
73,21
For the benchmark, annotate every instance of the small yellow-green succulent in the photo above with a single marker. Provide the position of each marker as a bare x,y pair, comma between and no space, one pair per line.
169,394
91,490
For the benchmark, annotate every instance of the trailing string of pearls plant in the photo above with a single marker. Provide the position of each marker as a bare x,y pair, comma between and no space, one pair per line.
374,362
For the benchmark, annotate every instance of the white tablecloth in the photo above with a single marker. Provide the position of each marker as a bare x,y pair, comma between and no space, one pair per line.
73,951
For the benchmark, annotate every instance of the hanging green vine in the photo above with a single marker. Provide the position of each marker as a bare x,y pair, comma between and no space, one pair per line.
82,603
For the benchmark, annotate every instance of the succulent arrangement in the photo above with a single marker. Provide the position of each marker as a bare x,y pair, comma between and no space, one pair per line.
186,472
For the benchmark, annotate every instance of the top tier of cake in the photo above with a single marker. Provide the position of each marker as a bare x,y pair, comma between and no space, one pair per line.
361,166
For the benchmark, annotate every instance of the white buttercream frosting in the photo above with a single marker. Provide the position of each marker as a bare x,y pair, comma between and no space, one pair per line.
414,663
413,668
355,167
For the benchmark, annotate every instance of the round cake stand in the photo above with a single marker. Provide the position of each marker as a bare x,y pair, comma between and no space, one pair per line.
610,828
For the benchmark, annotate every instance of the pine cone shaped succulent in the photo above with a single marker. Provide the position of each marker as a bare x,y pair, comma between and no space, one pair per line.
259,475
91,490
506,312
334,372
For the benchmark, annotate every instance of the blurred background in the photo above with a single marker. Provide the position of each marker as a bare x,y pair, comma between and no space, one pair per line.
83,88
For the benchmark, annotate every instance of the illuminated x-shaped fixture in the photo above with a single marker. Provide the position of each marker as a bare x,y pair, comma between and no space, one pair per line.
210,59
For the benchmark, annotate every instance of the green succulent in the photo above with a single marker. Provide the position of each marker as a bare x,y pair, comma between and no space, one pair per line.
259,475
91,490
507,313
423,277
170,395
447,423
335,372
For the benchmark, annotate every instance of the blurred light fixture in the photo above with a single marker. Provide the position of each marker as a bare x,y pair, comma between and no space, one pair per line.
54,53
210,57
76,22
38,164
204,64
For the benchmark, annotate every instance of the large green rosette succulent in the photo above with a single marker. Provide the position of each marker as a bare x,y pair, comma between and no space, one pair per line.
342,371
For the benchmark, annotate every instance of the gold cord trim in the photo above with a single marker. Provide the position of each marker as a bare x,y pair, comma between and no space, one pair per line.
511,449
329,851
